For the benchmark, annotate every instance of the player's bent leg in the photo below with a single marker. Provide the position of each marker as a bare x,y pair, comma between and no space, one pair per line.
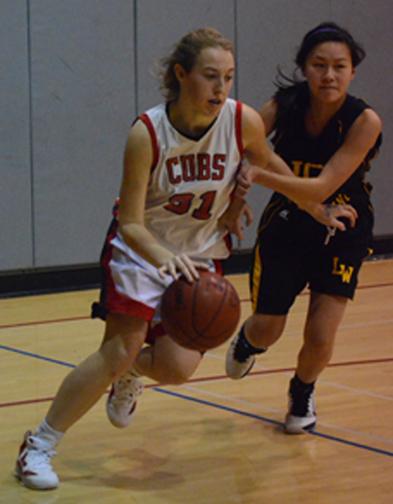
82,388
166,362
324,316
169,363
123,343
256,335
77,394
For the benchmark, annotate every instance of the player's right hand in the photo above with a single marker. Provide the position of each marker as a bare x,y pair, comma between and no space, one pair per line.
243,180
182,265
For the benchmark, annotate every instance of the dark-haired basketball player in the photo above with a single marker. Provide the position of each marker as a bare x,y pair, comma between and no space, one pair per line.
328,138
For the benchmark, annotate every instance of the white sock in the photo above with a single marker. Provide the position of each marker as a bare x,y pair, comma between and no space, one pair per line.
45,431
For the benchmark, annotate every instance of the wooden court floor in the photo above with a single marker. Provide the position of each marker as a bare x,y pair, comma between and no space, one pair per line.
212,440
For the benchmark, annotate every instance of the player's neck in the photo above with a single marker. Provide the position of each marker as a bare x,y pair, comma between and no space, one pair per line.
319,114
187,121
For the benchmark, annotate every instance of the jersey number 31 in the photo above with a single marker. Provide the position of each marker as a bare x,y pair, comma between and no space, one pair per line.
181,203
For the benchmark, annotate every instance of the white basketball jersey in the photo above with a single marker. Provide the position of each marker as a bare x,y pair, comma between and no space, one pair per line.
191,182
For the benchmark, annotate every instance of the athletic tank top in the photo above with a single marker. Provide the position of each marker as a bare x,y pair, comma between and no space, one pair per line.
191,182
306,155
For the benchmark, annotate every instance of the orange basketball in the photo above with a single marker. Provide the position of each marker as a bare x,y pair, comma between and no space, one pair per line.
203,314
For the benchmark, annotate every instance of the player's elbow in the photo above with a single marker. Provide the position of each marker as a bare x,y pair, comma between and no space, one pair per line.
130,231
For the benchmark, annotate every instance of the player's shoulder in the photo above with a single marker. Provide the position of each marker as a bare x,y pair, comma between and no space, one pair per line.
372,118
140,133
368,120
361,111
250,116
252,124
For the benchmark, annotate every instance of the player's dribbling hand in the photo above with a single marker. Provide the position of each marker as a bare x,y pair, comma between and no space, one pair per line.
182,265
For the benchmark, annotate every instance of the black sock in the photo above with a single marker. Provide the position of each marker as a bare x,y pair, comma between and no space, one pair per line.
298,385
245,347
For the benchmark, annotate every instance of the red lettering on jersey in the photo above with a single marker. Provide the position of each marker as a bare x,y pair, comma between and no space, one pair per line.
170,164
188,167
218,167
203,166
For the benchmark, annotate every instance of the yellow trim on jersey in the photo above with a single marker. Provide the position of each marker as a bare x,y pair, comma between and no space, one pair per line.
256,278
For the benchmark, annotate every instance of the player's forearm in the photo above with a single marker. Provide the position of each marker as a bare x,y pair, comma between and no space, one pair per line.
143,242
276,164
234,209
295,188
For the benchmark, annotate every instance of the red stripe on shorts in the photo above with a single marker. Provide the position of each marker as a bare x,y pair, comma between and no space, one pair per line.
114,301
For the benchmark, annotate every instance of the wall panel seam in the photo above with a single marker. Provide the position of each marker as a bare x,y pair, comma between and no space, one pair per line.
30,123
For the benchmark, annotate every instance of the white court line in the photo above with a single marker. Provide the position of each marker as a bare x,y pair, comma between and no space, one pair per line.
356,391
223,397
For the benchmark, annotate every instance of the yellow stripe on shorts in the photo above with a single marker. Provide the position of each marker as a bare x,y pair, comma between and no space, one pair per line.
256,278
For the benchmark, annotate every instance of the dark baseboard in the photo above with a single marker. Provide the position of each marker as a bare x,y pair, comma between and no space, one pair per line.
61,279
49,280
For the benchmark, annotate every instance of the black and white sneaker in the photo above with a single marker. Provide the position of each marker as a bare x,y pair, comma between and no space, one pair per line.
301,416
240,357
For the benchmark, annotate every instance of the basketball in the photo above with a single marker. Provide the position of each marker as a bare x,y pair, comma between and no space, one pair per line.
203,314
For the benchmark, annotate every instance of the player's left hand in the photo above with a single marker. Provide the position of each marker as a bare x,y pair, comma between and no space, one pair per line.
235,223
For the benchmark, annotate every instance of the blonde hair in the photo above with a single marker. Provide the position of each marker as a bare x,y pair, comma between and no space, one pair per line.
185,53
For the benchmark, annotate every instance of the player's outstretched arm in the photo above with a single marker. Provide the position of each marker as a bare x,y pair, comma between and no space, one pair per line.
360,139
267,168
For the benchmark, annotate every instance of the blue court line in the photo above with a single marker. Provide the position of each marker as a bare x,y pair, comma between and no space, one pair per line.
36,356
217,406
270,421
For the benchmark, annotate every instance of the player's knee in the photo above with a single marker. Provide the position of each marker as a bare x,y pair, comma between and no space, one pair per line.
265,327
173,375
321,344
118,356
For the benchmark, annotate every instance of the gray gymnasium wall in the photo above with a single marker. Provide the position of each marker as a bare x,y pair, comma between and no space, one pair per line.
76,72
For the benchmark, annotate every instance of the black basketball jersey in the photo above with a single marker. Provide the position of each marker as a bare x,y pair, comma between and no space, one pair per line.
306,155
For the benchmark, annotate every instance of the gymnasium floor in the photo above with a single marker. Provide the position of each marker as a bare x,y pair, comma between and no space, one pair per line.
211,440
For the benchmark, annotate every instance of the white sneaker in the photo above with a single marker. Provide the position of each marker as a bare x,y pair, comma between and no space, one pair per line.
239,359
33,466
301,416
122,399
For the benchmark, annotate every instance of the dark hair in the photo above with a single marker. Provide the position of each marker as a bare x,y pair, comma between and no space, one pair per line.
185,53
293,93
329,32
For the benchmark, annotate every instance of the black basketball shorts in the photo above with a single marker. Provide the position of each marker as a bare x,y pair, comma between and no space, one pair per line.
290,254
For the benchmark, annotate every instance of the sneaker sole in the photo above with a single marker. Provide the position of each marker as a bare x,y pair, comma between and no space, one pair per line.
299,429
246,372
26,484
119,425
